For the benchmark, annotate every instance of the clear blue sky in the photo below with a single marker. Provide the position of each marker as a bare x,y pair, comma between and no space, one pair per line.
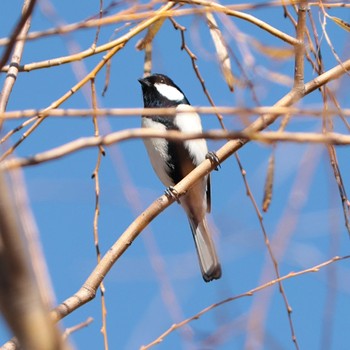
161,264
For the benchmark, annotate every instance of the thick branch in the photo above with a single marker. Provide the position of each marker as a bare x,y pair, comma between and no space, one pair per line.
12,73
300,47
119,136
28,9
20,300
88,290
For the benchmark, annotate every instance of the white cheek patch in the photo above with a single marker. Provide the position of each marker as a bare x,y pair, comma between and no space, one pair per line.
170,92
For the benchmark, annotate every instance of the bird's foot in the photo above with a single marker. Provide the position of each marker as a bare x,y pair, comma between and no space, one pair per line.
170,192
214,159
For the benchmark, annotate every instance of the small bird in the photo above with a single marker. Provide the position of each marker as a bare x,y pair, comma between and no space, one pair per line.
173,160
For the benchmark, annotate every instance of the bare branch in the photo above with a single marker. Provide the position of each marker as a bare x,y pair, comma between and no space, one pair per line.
92,74
112,45
132,15
300,47
76,328
213,6
246,294
27,11
20,301
12,73
130,112
88,290
119,136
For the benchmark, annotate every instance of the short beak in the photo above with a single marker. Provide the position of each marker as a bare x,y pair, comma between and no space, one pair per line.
143,82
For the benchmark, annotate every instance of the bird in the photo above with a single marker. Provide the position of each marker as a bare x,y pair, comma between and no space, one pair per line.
173,160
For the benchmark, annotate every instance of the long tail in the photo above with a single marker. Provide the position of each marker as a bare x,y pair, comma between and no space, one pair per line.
208,259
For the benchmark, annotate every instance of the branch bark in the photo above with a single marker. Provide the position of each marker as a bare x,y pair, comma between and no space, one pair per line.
20,300
88,290
11,76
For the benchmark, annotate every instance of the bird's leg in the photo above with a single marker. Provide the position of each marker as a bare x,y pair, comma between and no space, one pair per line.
170,192
214,159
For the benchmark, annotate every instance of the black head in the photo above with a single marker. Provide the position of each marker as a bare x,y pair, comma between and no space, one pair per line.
160,91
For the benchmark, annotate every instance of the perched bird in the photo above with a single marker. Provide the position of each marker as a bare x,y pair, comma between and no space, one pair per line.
173,160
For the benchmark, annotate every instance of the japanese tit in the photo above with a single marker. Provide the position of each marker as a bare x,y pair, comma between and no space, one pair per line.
173,160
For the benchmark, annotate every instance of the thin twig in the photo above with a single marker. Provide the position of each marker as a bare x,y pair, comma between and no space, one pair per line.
88,77
327,126
246,294
270,251
132,15
326,36
109,46
95,176
135,200
27,11
98,29
70,330
122,40
193,58
213,6
127,134
341,187
130,112
250,194
88,291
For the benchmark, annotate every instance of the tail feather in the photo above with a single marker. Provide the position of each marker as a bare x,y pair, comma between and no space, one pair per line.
208,260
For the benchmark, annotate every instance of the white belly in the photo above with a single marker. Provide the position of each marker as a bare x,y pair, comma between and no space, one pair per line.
157,152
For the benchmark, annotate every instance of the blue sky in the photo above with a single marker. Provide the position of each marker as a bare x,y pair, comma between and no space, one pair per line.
157,281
